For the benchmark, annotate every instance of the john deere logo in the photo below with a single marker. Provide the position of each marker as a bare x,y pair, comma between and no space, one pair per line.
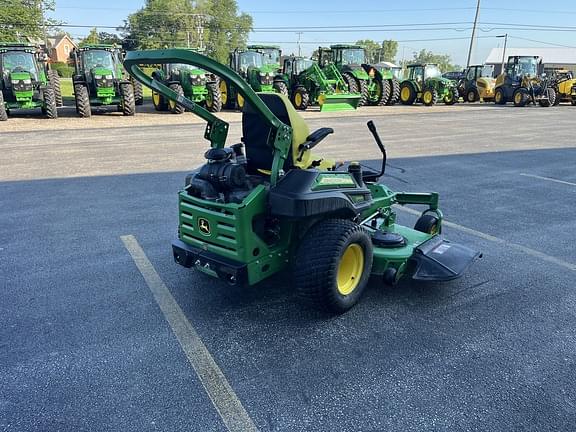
204,226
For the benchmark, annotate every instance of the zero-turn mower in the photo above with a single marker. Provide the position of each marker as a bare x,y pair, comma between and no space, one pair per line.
523,82
25,81
99,80
267,204
425,84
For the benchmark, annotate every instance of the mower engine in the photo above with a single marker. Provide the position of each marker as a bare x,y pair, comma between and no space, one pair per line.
223,178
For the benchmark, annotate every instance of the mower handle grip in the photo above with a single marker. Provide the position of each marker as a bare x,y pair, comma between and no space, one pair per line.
372,129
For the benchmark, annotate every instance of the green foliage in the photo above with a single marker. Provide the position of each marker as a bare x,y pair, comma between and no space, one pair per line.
64,70
389,50
176,23
22,19
91,39
109,39
444,61
378,52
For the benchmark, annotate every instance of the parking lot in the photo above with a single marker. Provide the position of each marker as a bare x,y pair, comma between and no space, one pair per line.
91,334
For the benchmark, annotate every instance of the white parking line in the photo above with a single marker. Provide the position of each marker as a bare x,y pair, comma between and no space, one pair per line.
219,390
491,238
548,178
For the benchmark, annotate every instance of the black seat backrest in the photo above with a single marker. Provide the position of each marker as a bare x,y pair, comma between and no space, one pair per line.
256,133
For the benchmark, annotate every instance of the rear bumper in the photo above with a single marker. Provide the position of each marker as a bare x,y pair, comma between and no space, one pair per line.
223,268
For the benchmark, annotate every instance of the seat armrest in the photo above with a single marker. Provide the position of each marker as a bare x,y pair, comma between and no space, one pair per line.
313,140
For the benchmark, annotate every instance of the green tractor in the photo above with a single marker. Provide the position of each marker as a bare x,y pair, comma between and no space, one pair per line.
267,205
194,83
524,82
350,61
307,84
425,84
25,82
99,80
259,65
393,74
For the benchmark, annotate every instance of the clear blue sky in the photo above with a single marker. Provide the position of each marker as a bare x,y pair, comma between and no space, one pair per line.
454,18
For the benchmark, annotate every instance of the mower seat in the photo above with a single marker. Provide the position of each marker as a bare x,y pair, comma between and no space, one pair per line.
256,137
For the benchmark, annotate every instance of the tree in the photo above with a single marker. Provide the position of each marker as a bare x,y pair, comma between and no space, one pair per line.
109,38
91,39
372,50
389,50
22,19
227,29
444,61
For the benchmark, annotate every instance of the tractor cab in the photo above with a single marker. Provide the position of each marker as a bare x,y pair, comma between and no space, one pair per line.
270,54
296,65
99,65
478,83
425,83
351,55
422,72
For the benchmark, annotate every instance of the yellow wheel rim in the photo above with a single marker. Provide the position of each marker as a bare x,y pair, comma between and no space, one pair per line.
471,96
298,99
224,92
156,99
518,98
350,269
498,97
428,97
405,95
240,100
172,104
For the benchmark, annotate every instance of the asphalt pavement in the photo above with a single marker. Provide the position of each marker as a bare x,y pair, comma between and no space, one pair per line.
84,345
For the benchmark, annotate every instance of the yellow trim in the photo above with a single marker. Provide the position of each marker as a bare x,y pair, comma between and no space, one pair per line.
298,99
405,94
427,97
498,96
350,269
172,104
224,92
240,100
156,99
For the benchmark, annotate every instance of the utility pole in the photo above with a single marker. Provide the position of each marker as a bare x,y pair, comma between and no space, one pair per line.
473,34
299,47
505,36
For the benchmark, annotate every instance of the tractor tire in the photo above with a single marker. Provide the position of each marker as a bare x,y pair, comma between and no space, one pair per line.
227,100
128,103
429,96
520,97
452,97
550,99
428,224
3,111
300,99
280,87
332,265
82,101
500,97
159,102
175,107
408,94
394,92
49,109
54,79
363,90
472,96
350,82
213,98
386,92
138,92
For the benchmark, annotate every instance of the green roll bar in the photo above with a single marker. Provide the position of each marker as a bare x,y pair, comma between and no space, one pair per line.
280,138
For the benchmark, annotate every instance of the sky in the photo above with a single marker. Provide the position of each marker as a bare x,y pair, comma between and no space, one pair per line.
443,27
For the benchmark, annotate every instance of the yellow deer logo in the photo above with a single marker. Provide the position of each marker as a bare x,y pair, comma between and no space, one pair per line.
204,226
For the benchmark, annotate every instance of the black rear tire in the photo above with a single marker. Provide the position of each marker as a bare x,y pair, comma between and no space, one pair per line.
500,97
386,92
520,97
82,101
350,82
408,94
472,96
213,98
429,96
138,93
50,109
394,92
54,79
550,98
3,111
128,103
363,90
280,87
175,107
300,99
317,264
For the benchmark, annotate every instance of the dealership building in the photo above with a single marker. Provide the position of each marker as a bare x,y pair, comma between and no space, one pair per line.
553,58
